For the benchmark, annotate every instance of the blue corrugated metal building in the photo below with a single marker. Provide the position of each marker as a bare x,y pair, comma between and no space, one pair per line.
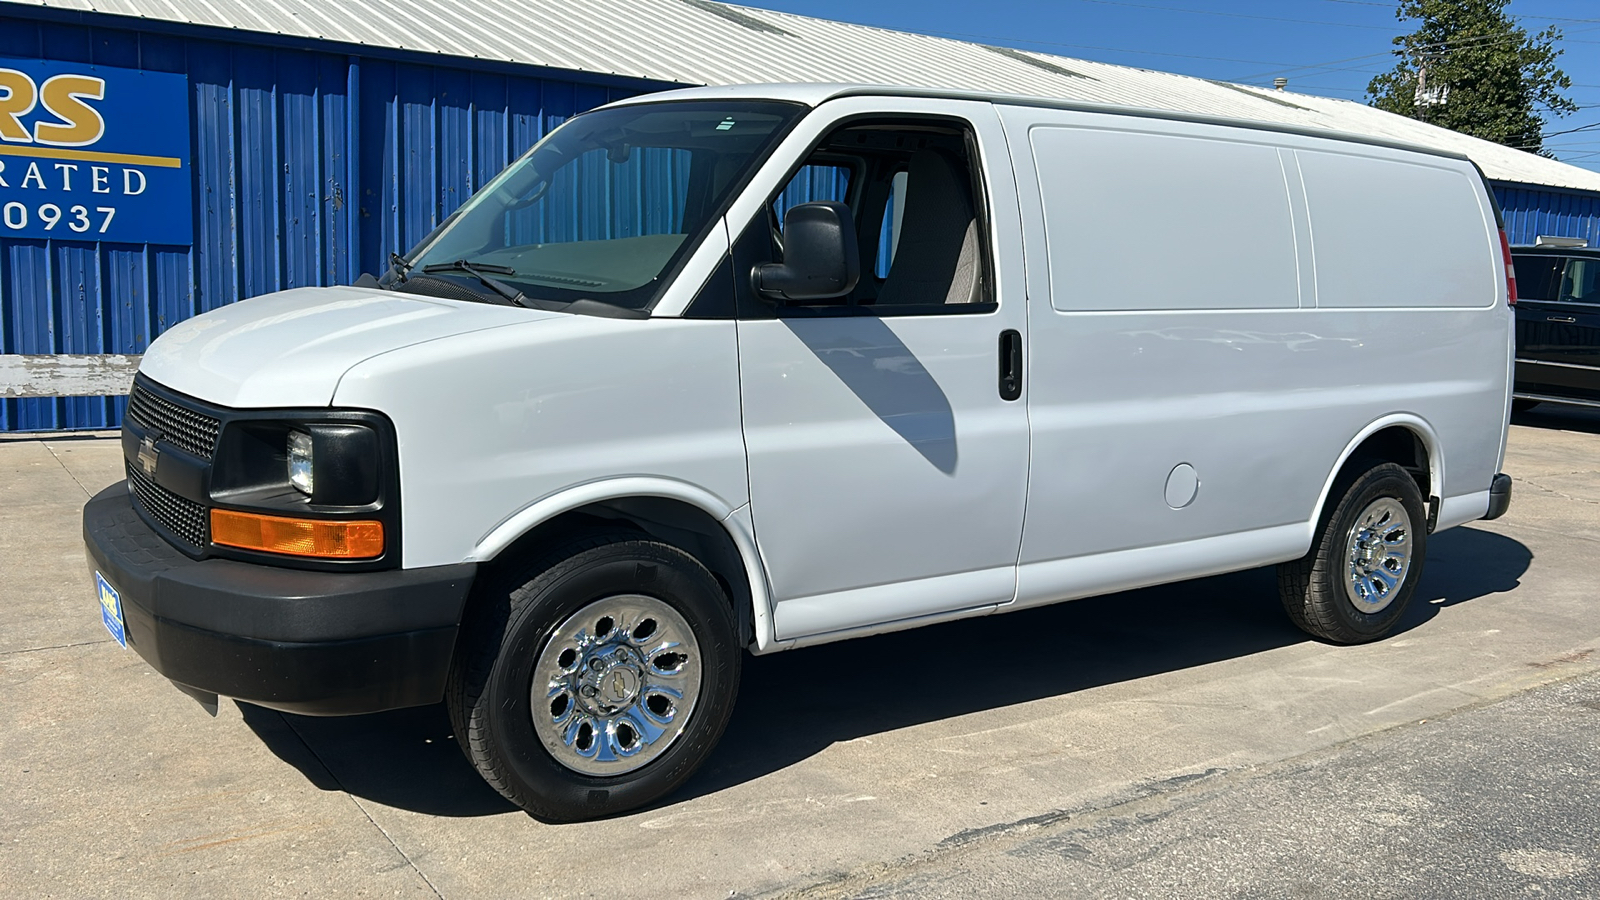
1532,211
309,162
308,167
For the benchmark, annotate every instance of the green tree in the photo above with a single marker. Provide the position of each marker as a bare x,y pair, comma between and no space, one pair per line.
1469,67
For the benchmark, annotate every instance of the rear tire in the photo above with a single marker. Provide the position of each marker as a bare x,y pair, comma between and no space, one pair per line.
1355,584
595,679
1520,406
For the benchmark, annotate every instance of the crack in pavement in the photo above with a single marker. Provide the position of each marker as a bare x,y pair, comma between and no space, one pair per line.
54,647
1140,804
1546,529
53,455
1553,491
334,779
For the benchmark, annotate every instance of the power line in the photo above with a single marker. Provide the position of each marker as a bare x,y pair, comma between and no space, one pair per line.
1011,40
1391,7
1571,130
1316,69
1327,66
1550,134
1314,88
1232,15
1324,68
1229,15
1017,40
1486,39
1455,44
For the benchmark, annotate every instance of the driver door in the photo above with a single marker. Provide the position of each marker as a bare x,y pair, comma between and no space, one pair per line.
888,466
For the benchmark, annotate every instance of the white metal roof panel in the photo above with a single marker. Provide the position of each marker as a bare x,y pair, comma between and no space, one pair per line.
702,42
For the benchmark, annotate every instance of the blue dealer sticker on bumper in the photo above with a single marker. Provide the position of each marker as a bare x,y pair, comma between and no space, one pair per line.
111,610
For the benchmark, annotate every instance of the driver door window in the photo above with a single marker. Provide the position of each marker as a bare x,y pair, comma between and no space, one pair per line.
917,206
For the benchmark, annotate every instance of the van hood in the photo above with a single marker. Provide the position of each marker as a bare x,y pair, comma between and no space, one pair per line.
291,348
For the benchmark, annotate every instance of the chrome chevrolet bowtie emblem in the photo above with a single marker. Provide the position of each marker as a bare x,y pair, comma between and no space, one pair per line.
148,455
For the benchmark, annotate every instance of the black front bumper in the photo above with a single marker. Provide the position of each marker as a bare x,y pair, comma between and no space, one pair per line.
316,643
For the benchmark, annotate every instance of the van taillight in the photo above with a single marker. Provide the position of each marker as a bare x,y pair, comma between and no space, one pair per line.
1511,269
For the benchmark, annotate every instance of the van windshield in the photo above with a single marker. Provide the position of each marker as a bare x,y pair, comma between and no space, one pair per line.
603,209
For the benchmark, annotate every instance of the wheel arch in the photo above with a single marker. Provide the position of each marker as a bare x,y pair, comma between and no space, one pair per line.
1401,438
675,512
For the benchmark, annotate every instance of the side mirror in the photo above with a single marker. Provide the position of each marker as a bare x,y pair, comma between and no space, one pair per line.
820,257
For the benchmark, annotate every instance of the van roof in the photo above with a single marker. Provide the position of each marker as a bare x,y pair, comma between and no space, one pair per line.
816,94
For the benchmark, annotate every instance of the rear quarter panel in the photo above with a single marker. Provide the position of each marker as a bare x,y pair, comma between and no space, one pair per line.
1408,264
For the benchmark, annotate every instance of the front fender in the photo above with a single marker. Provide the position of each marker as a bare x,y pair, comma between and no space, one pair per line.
734,521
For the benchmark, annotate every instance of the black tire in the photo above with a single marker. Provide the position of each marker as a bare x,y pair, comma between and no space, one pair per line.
1313,587
508,625
1521,406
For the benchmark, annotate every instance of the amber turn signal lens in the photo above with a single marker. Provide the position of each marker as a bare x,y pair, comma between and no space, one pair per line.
297,537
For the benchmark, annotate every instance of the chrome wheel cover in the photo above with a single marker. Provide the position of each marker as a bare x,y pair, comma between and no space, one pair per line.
1378,555
615,685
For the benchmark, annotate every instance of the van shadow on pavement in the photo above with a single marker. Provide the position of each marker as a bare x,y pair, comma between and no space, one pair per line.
793,705
1560,417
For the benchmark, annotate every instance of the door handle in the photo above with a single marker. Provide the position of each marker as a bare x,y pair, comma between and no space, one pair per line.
1567,319
1010,364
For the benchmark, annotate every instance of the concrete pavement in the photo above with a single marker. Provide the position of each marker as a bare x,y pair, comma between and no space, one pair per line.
1500,800
843,763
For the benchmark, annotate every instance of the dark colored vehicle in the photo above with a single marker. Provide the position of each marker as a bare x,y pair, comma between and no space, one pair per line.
1558,326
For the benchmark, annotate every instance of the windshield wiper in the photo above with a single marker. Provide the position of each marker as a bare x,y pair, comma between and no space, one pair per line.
399,266
585,305
480,271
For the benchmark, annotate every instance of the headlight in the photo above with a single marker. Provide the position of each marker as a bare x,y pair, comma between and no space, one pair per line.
270,463
321,485
299,453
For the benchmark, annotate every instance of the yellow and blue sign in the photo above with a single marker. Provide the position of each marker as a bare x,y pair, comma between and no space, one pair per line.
91,153
111,609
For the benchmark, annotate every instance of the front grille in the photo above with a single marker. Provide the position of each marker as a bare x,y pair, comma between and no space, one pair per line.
188,430
183,517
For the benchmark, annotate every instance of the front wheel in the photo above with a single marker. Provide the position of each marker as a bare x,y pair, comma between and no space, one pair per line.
1363,569
596,680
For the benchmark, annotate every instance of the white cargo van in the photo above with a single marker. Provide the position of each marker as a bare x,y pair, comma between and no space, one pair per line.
755,368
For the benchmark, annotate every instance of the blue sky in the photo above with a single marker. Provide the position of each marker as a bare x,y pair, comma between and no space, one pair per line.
1327,47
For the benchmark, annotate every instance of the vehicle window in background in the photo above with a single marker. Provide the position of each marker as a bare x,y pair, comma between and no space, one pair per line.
1581,283
889,234
605,206
1538,277
812,183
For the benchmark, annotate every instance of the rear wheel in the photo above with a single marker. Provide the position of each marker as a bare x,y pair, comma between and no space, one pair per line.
597,679
1523,405
1358,579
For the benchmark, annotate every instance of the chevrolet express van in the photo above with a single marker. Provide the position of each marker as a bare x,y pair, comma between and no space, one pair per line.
749,369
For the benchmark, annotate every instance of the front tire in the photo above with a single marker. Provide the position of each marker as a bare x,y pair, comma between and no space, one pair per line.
596,679
1355,584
